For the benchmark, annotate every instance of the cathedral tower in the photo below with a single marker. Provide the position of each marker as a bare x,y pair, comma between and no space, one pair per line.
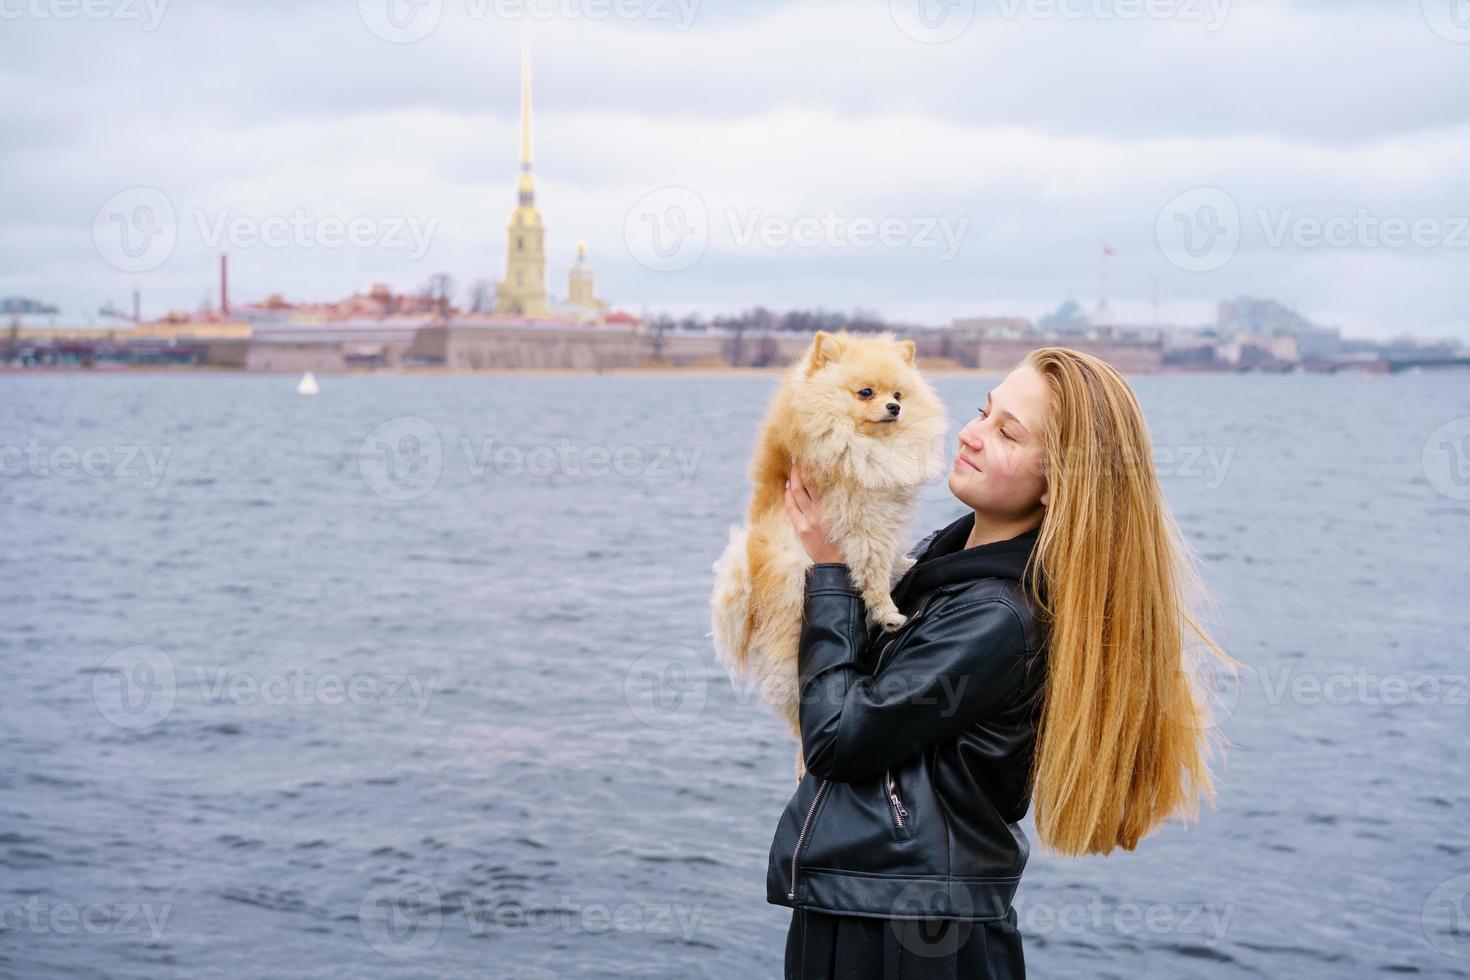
523,290
581,291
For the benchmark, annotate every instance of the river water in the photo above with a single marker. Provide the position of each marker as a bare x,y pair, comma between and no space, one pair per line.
411,678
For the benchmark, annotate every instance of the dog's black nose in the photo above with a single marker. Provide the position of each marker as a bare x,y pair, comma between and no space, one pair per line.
893,408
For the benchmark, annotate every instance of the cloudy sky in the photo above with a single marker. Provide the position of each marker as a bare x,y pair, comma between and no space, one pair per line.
925,159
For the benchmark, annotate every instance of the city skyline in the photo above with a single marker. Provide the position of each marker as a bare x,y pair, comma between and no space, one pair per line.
943,180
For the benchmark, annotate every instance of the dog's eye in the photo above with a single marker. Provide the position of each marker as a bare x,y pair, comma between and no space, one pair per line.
898,396
865,394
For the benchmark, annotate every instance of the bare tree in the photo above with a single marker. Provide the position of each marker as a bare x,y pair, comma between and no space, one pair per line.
439,291
482,296
735,346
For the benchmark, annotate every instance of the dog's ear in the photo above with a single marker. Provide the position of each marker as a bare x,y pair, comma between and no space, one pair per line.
826,348
906,348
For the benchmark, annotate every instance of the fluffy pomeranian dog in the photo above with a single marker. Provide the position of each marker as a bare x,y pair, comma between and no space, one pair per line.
867,431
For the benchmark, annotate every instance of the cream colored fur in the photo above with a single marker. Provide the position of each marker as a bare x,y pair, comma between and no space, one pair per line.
868,474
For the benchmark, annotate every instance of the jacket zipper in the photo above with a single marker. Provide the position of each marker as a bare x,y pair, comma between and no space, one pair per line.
816,797
899,813
888,646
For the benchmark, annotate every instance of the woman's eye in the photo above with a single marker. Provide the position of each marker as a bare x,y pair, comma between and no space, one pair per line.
981,411
1007,435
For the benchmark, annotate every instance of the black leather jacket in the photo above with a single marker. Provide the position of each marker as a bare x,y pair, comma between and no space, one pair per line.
918,744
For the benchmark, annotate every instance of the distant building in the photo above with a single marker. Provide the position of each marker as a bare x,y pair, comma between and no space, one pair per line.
1269,318
523,290
19,304
582,302
1067,317
999,343
1260,316
992,327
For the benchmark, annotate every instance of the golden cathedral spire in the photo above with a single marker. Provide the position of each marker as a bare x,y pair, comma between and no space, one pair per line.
526,100
523,290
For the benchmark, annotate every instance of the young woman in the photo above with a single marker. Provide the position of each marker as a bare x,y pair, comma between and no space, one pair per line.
1048,653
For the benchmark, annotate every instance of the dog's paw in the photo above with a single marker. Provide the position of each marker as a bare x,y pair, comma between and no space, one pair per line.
892,621
904,564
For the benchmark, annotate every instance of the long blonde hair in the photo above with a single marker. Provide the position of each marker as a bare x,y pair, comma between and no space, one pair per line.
1125,731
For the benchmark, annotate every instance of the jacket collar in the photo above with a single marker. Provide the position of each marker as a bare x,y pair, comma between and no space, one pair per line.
946,561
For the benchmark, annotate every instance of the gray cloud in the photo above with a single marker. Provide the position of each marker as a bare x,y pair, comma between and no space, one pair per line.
1050,134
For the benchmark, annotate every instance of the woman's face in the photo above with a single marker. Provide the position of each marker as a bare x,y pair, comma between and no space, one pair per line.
999,462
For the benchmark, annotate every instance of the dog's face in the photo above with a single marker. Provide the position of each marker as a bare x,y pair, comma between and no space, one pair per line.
871,381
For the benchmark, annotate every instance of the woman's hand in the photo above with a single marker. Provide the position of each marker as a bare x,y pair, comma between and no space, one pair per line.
804,507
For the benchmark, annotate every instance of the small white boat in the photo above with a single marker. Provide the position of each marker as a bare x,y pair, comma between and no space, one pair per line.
307,384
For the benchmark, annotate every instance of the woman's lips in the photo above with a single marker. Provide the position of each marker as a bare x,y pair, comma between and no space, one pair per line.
961,461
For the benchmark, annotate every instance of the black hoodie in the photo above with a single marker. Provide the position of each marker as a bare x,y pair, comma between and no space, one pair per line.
943,559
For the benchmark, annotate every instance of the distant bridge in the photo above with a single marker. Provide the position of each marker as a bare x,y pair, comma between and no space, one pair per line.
1393,365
